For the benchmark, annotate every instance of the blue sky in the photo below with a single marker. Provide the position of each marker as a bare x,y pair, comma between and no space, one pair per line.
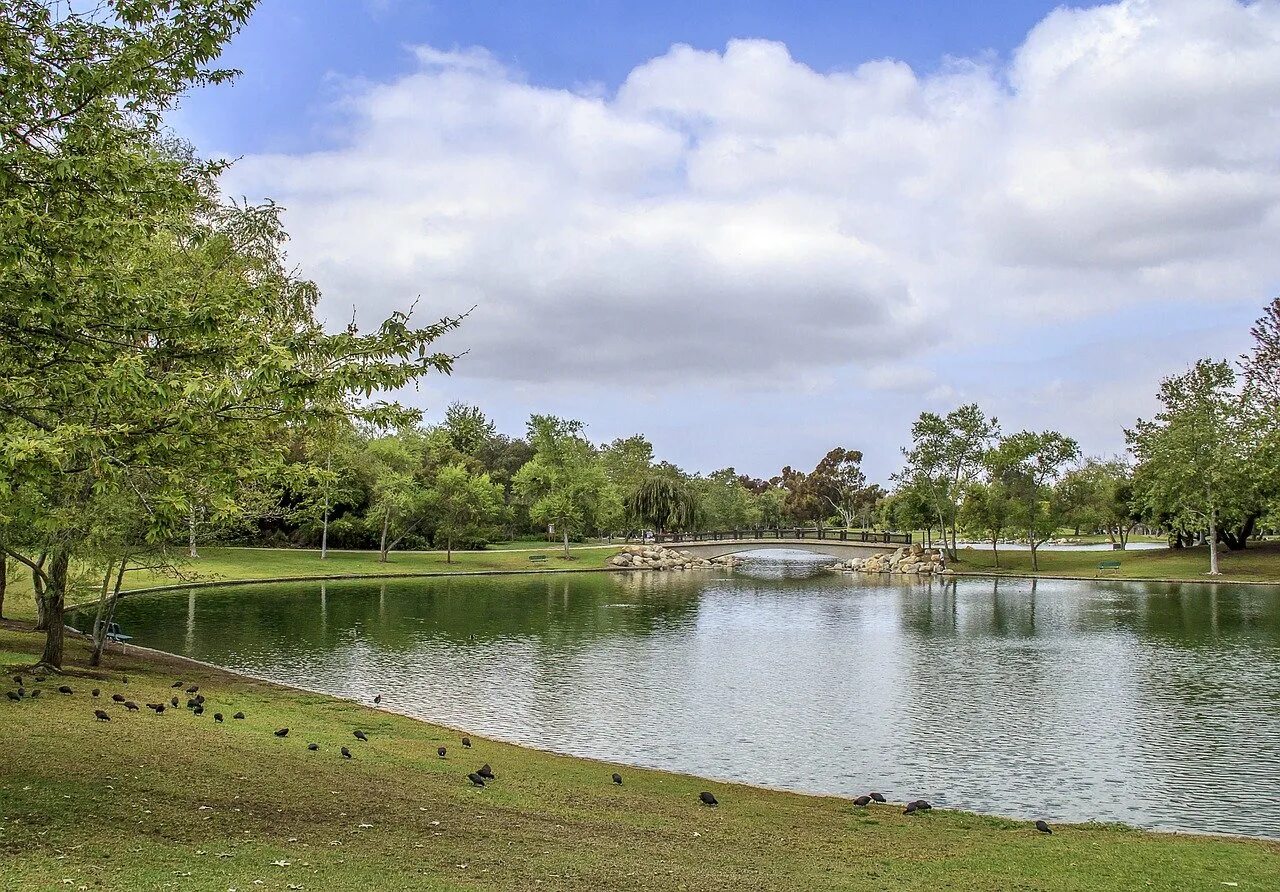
796,232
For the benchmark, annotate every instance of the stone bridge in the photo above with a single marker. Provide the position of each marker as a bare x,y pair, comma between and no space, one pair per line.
842,544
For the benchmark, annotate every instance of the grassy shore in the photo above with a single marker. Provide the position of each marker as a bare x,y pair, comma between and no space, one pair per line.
151,801
1260,562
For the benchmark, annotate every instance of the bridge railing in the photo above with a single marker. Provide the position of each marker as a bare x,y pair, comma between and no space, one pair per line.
830,535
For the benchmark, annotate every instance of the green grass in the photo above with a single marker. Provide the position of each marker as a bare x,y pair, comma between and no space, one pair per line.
1260,562
175,801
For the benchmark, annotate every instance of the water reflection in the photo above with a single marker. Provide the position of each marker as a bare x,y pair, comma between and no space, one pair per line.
1154,704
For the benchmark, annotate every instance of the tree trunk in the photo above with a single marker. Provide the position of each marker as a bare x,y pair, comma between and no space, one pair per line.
995,551
191,533
37,589
4,579
1213,543
448,554
55,599
382,546
324,525
100,633
566,543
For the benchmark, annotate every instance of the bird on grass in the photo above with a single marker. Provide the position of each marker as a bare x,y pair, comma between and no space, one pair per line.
486,772
346,753
65,689
440,751
101,716
131,706
476,779
313,746
1043,827
217,717
118,698
283,732
193,689
200,699
17,679
94,693
360,735
877,797
922,805
35,694
466,741
862,800
177,684
707,799
199,710
617,778
173,701
238,715
377,699
125,679
910,809
13,695
191,704
157,707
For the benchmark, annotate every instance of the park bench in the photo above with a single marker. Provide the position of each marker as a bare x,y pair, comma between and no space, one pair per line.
1107,565
536,558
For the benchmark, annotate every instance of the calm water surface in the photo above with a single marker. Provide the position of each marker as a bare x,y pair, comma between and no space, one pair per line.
1152,704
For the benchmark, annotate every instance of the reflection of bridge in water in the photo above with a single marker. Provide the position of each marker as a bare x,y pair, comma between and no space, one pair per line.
836,543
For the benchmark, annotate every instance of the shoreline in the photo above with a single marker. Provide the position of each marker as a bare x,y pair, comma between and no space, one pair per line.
162,657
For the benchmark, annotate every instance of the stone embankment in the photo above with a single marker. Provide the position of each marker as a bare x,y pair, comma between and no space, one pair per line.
914,559
657,557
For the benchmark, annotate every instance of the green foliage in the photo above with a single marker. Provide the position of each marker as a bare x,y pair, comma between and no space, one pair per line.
565,483
466,504
1027,466
665,503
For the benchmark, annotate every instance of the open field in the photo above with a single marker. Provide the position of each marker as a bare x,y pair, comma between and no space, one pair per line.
179,801
1260,562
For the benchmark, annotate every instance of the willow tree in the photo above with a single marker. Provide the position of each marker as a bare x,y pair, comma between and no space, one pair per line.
147,329
665,503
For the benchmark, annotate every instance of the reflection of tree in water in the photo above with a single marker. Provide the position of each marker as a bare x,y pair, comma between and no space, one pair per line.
397,615
1190,614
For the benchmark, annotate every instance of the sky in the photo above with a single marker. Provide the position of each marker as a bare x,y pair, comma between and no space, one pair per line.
757,231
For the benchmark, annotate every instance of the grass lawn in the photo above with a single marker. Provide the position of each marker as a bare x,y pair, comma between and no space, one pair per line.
177,801
1260,562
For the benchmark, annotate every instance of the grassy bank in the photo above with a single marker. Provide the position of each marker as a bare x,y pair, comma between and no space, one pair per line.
1260,562
178,801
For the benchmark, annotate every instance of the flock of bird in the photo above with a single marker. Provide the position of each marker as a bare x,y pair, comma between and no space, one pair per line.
479,778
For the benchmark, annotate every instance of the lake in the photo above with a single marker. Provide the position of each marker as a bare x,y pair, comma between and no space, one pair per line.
1156,705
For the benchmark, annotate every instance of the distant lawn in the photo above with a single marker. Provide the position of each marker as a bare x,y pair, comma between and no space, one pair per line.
1260,562
177,801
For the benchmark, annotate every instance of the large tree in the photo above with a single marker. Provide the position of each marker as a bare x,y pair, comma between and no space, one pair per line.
466,504
838,480
564,484
946,455
1194,456
1028,465
147,329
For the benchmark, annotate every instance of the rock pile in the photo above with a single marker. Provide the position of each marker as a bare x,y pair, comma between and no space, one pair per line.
657,557
907,559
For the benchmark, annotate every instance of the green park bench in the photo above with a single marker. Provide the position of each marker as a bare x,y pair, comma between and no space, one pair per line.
1107,565
537,558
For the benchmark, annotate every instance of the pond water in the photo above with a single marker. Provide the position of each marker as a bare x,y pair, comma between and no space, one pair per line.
1152,704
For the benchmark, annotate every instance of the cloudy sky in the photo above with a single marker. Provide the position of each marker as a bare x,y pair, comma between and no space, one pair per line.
759,231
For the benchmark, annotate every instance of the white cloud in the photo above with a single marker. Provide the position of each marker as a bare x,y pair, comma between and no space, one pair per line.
736,213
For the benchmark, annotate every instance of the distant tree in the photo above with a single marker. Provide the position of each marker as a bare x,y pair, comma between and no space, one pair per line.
1098,495
665,503
986,511
401,496
838,480
628,461
724,502
466,504
1194,456
947,455
564,483
468,429
1028,466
